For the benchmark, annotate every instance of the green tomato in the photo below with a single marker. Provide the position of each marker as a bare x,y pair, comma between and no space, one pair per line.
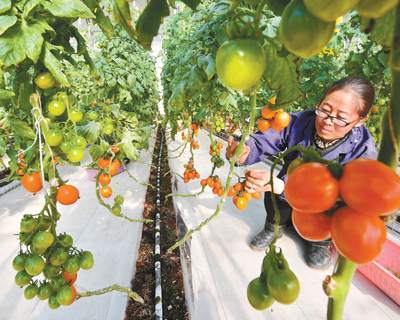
71,265
240,63
28,223
53,137
119,199
76,115
56,108
108,128
65,146
34,265
31,291
107,108
58,282
65,295
35,250
382,101
58,257
108,120
53,303
22,278
75,154
43,239
19,263
258,298
93,115
372,129
44,223
283,284
45,291
65,240
51,271
45,80
86,260
81,142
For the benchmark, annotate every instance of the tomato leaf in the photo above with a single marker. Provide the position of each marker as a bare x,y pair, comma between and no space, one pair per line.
91,131
3,146
382,32
101,19
191,3
23,39
29,6
94,73
5,94
69,9
21,130
6,22
5,5
178,97
207,63
53,64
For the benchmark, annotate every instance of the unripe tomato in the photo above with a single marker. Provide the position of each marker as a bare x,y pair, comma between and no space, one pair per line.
30,291
108,128
312,188
358,237
86,260
329,10
81,142
93,115
22,278
257,297
283,284
65,295
240,63
42,239
75,154
32,182
57,108
45,80
19,263
373,9
53,137
76,115
65,146
34,265
67,194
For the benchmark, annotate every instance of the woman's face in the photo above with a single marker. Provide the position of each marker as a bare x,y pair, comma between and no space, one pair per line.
343,105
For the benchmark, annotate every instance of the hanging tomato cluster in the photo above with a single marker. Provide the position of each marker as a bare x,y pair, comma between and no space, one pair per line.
276,282
190,172
368,189
215,153
275,119
241,196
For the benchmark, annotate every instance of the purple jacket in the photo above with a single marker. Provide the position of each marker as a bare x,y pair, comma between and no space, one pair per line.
300,130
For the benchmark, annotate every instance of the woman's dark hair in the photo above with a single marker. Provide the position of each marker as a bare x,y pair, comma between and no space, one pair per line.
361,87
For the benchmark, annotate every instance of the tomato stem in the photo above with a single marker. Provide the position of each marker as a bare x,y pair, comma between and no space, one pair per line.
337,287
114,287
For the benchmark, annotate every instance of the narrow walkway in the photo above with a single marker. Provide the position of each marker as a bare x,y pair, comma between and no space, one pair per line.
222,263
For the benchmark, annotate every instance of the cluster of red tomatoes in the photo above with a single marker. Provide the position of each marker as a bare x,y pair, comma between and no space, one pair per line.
368,189
190,172
241,196
275,283
277,120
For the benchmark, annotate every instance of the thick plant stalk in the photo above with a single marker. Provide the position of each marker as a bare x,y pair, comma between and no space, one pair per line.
114,287
389,148
337,287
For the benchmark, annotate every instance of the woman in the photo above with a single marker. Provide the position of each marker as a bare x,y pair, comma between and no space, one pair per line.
335,129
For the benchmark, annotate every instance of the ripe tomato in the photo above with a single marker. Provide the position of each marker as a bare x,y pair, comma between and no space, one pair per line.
263,125
256,195
370,187
238,186
312,188
75,115
275,125
106,192
358,237
75,154
247,196
34,265
104,179
231,191
57,108
45,80
53,137
42,239
220,192
282,119
32,182
241,203
312,226
257,296
240,63
329,11
114,167
267,113
67,194
71,278
103,163
303,34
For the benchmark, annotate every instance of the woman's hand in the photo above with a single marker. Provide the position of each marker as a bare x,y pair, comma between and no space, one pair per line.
231,150
257,180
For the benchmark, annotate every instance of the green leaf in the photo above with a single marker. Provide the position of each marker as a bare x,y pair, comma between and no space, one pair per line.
123,15
94,73
5,94
29,6
207,63
101,19
127,146
382,32
220,9
194,80
149,22
21,129
5,5
91,131
284,76
88,99
96,152
6,22
69,9
131,80
191,3
3,146
23,39
52,63
178,98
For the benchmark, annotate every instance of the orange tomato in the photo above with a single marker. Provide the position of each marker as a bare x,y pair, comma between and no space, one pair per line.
263,125
312,226
267,113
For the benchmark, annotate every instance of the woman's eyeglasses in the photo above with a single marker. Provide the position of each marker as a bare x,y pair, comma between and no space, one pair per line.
339,122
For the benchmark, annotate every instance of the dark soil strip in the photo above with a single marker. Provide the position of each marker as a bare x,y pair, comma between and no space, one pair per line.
173,296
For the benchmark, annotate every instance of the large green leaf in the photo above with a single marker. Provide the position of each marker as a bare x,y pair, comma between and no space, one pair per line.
94,73
3,146
122,14
53,64
178,98
5,5
282,74
382,32
101,19
69,9
29,6
5,94
150,20
191,3
23,39
127,146
21,130
91,131
6,22
207,63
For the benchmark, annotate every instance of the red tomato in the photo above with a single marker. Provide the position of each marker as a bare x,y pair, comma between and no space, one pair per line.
312,188
103,163
370,187
71,278
104,179
114,167
106,192
32,182
263,125
312,226
67,194
358,237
